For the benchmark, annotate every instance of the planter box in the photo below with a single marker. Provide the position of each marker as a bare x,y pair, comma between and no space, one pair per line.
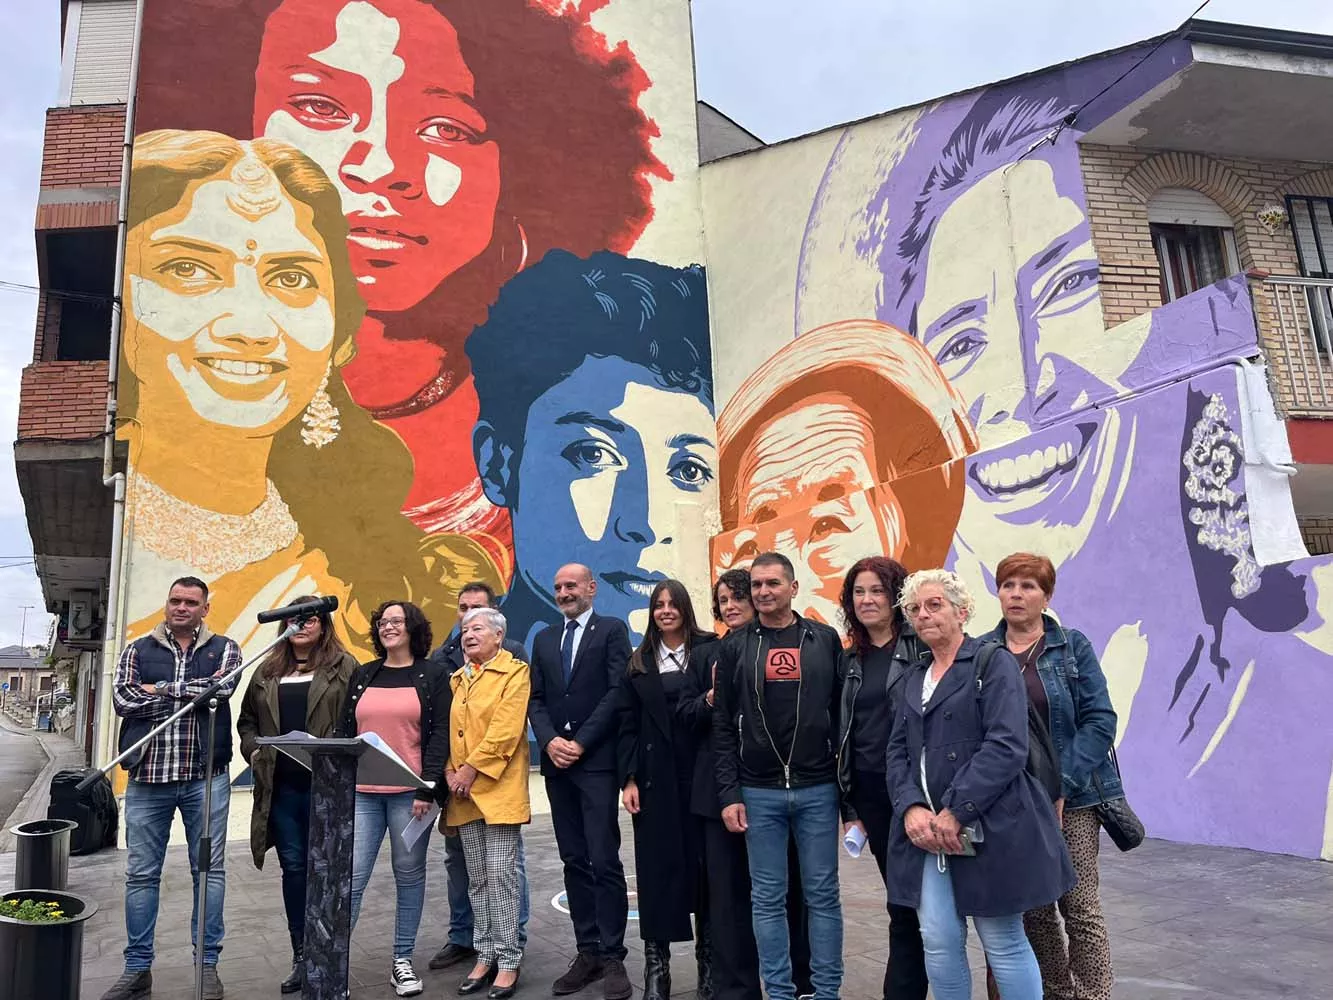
42,847
43,961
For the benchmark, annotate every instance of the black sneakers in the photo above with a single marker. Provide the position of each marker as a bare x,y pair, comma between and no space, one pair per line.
131,986
406,982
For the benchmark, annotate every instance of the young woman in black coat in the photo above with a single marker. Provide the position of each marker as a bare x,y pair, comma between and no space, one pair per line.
656,761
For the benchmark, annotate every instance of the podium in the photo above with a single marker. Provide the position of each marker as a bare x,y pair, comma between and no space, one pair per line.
334,765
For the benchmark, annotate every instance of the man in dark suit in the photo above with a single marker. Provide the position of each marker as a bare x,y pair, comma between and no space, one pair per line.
458,948
577,667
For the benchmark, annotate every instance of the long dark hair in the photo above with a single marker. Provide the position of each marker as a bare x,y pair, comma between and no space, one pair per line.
419,635
891,574
652,635
325,654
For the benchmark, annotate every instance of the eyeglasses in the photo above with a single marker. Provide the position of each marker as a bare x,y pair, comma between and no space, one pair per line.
935,605
392,623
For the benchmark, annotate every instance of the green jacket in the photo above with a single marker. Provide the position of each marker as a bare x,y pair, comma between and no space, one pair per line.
259,717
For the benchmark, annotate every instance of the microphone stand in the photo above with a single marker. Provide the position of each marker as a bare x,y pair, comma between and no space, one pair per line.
203,851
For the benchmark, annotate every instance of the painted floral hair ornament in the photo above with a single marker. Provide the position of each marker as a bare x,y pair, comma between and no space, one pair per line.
256,189
320,419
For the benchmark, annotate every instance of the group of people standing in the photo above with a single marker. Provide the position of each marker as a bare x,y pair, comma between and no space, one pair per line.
746,762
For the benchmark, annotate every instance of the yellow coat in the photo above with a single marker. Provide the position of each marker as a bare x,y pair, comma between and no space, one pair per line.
488,728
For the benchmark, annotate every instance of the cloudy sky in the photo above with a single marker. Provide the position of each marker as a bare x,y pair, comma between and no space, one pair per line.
770,64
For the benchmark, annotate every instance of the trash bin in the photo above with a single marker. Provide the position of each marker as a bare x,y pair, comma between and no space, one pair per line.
42,855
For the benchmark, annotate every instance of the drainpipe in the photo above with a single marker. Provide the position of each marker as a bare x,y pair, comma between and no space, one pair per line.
110,477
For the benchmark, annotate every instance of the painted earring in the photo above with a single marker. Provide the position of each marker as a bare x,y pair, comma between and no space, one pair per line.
522,250
320,417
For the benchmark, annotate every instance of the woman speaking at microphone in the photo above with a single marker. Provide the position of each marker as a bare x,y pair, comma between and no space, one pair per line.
299,687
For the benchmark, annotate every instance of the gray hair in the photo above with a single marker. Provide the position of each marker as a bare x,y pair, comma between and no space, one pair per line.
492,617
951,583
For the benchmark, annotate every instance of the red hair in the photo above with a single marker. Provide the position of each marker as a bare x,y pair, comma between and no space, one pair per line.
1027,564
891,575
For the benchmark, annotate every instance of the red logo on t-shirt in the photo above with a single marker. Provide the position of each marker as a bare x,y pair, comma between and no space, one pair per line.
783,665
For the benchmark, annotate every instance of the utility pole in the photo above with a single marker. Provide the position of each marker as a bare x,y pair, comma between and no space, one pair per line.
23,633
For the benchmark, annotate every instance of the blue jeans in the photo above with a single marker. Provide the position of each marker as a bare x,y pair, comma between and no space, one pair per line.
460,907
944,934
376,814
289,818
811,816
148,812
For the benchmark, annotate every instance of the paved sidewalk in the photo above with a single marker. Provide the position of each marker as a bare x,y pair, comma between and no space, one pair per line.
59,752
1187,923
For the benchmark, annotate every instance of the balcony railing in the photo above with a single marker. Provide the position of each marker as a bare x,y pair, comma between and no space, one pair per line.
1301,343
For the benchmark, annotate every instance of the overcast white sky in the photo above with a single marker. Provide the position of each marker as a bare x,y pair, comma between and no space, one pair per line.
779,67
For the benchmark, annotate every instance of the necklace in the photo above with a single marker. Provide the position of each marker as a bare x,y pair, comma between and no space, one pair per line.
203,539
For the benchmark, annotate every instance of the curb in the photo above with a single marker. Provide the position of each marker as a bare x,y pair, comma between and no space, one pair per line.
37,791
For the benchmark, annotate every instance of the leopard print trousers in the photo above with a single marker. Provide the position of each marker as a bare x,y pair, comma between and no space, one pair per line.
1082,969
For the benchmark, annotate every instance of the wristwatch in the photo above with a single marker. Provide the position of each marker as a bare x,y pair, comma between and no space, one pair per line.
160,687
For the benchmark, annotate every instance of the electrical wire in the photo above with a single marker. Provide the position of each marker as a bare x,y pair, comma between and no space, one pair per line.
1072,117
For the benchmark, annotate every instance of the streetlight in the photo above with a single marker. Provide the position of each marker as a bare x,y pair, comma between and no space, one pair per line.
23,627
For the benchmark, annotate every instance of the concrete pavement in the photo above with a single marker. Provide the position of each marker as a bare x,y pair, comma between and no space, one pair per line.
1187,923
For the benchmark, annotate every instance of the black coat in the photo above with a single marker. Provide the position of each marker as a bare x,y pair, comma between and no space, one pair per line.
698,714
975,744
665,836
586,710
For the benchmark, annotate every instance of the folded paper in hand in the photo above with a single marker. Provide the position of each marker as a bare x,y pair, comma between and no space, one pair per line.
377,765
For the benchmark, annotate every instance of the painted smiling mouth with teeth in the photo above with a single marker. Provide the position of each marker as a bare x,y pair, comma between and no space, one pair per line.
244,370
1033,467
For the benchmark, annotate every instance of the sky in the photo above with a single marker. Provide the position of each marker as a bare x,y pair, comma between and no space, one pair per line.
769,64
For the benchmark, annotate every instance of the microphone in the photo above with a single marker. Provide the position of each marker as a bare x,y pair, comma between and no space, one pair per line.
306,609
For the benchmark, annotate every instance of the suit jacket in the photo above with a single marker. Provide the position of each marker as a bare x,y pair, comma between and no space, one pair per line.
586,710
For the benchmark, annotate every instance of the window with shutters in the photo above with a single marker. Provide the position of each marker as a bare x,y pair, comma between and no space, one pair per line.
1194,239
99,44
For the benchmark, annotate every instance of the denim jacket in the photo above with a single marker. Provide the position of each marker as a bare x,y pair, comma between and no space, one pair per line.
1081,719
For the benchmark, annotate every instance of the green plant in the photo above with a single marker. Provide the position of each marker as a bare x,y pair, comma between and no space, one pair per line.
31,911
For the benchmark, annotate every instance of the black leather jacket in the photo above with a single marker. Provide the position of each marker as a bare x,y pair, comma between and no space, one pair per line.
906,651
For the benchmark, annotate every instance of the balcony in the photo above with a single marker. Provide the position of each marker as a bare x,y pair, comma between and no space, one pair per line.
1297,317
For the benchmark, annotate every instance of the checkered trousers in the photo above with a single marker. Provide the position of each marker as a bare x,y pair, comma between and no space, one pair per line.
490,852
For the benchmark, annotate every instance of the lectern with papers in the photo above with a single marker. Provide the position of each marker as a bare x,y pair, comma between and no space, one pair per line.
336,765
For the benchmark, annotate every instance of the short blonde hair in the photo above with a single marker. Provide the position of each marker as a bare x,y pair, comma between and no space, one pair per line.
951,583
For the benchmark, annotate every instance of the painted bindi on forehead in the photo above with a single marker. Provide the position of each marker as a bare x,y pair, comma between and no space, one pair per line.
214,216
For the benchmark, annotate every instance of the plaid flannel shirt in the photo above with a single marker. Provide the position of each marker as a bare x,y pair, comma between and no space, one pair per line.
177,753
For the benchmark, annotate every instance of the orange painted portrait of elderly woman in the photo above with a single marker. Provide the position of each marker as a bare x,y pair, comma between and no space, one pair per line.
845,443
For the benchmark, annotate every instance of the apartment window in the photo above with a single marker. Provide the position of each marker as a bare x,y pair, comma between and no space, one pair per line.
1194,239
99,43
1312,231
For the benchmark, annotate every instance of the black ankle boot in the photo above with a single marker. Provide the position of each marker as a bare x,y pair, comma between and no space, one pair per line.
656,970
292,984
703,958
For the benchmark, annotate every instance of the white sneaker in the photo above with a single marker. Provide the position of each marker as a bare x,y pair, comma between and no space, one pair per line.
406,983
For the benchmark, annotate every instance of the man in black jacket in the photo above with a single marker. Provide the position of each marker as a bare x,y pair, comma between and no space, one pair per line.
774,729
458,947
577,667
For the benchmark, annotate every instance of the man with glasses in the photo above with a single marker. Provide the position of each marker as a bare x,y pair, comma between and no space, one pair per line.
775,723
458,947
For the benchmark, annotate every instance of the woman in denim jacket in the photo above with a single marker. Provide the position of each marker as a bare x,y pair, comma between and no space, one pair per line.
1065,683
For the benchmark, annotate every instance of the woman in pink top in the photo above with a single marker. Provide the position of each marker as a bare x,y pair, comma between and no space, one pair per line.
403,697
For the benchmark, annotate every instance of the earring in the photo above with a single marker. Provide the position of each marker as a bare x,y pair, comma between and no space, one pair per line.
522,251
320,417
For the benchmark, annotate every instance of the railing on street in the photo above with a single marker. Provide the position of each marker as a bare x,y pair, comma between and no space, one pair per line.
1304,338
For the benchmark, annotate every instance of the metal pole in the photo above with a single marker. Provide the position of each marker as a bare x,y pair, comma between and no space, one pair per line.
23,628
203,853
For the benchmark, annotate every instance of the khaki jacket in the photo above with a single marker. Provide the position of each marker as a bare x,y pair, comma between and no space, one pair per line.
488,728
259,717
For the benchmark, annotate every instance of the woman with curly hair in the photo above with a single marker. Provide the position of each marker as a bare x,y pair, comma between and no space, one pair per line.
403,697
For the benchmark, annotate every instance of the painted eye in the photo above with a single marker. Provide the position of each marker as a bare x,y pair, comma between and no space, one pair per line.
826,526
449,130
319,109
187,270
595,455
1071,288
690,474
293,280
961,346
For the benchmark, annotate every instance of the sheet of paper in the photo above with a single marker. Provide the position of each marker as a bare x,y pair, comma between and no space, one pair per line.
418,826
379,765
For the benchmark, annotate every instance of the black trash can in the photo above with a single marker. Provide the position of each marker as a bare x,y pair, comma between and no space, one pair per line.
42,856
44,961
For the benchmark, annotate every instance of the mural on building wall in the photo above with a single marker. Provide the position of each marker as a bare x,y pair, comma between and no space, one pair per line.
328,198
1143,462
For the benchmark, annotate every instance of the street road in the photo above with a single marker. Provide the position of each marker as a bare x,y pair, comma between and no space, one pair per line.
20,761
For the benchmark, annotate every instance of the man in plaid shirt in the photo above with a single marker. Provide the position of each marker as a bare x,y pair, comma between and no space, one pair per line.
156,674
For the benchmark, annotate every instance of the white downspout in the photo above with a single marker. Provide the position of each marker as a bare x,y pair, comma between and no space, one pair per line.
104,726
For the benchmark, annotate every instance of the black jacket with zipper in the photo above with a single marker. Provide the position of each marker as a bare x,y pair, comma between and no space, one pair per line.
745,754
907,649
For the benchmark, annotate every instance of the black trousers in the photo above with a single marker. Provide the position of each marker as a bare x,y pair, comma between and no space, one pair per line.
735,956
585,813
905,972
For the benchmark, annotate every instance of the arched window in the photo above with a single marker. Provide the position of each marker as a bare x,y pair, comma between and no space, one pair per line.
1194,238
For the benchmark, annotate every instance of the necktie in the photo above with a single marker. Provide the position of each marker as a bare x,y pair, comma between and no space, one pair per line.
567,650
